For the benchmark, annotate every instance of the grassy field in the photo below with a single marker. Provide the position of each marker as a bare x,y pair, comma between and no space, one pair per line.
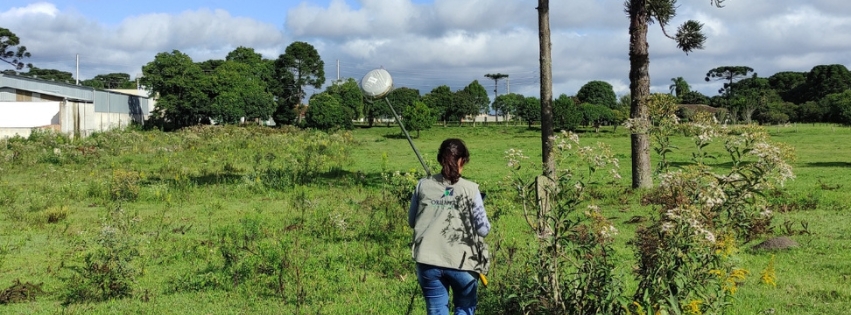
263,221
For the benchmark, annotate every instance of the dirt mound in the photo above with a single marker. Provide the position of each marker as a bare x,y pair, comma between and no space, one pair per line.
20,292
777,243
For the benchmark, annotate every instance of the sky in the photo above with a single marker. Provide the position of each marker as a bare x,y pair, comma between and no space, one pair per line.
427,43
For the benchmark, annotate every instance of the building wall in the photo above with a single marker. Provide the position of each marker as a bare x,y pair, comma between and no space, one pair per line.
77,119
28,114
107,121
11,132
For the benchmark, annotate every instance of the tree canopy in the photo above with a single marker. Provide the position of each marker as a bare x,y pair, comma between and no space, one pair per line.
298,67
679,87
110,81
11,50
180,85
324,112
50,75
441,100
567,115
349,94
730,74
508,104
418,117
598,92
823,80
530,110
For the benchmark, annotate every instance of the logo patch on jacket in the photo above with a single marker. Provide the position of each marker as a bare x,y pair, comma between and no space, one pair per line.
449,192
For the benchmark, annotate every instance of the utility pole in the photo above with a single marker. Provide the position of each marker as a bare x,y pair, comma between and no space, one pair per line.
78,70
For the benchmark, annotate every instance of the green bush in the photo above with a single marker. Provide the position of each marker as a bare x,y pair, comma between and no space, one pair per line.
107,270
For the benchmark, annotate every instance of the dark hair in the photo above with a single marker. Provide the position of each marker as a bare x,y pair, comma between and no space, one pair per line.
451,150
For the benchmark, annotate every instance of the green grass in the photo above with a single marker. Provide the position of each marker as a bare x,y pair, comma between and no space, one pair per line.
342,233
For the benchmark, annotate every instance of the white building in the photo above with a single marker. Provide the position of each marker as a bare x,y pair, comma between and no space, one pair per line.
27,103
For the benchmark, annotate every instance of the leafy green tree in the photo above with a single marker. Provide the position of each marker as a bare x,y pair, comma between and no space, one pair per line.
237,92
753,94
689,36
530,110
259,68
50,75
10,50
566,114
479,97
839,105
349,95
182,88
441,100
462,106
208,66
624,102
595,115
619,116
812,112
469,101
823,80
418,117
679,87
789,85
402,98
694,97
324,112
775,113
298,67
507,104
598,92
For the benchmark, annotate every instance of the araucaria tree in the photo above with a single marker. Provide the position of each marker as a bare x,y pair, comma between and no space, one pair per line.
300,66
8,53
689,37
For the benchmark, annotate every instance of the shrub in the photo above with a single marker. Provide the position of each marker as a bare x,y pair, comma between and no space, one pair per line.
107,270
124,185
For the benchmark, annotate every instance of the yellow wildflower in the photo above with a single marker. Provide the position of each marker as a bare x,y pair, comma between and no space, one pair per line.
693,307
769,276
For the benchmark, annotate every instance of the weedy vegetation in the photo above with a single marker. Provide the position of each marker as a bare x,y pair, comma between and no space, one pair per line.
288,221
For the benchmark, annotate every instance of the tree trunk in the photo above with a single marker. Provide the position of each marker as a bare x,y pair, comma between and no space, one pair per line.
639,86
547,141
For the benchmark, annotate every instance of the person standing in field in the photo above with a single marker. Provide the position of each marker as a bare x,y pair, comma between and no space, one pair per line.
448,216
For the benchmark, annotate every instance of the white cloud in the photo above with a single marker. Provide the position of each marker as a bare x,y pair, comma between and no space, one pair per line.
36,9
55,37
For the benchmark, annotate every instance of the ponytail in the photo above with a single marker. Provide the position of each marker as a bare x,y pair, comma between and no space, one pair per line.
450,152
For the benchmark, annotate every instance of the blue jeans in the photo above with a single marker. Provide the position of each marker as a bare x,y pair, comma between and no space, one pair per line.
436,281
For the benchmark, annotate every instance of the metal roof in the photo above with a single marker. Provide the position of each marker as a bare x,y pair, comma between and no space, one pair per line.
105,101
69,91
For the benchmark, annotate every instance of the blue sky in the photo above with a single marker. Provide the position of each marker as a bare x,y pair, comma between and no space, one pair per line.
428,43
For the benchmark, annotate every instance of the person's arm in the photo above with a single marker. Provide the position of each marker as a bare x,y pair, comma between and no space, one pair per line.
480,217
414,207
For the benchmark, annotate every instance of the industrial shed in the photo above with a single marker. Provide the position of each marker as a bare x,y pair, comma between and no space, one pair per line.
27,103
